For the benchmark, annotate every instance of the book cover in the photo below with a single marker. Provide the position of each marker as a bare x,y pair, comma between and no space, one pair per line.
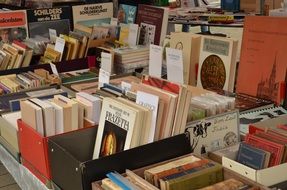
226,184
275,149
190,46
153,24
263,53
17,3
251,156
127,14
115,128
13,26
217,63
259,115
213,133
41,20
92,14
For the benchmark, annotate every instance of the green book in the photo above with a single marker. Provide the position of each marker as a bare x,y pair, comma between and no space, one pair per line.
204,176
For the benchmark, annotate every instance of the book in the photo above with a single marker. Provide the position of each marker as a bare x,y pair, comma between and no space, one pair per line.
139,181
249,118
13,25
213,133
275,149
127,14
149,173
262,52
109,184
92,14
32,115
115,130
41,20
226,184
153,24
195,178
217,63
190,46
253,157
121,181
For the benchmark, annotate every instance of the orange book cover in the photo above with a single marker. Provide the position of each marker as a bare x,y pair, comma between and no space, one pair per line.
262,66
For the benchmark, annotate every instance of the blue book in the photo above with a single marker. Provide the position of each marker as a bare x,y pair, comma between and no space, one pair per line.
127,14
121,181
251,156
230,5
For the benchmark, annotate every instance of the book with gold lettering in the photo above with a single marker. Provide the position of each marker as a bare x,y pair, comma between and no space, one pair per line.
115,131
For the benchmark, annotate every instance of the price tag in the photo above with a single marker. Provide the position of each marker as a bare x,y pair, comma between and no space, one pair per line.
54,69
104,77
53,35
106,61
155,60
126,86
174,63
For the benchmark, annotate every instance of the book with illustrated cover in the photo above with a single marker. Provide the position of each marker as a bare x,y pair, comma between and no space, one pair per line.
115,130
41,20
13,26
213,133
217,63
127,14
92,14
153,24
249,118
263,53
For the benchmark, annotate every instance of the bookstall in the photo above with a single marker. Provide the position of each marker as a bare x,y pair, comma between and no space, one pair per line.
97,96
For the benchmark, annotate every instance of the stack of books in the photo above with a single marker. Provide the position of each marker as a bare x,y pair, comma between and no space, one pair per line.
128,59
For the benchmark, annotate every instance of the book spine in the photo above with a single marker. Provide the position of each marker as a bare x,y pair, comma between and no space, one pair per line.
117,181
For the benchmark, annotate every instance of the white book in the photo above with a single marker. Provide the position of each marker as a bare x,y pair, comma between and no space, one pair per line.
96,102
48,116
59,118
150,101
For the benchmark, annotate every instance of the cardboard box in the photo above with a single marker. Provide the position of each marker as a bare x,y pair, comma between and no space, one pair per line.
257,6
71,155
266,177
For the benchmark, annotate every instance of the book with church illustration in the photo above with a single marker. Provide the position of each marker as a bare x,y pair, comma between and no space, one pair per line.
259,115
263,53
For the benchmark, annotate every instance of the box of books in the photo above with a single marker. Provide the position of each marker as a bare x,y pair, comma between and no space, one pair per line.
75,149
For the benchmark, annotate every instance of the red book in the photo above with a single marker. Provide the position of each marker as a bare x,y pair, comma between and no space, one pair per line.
275,149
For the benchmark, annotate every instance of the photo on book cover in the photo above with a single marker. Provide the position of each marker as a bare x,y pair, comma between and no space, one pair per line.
113,140
13,26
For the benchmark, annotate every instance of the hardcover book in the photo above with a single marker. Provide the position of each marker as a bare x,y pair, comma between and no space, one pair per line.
41,20
252,156
13,26
217,63
275,149
263,53
93,14
127,14
115,128
153,24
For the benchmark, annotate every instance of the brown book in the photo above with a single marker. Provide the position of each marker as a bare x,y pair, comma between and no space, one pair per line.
178,169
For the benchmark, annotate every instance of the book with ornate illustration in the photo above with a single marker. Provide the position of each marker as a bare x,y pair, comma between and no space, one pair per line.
217,63
263,53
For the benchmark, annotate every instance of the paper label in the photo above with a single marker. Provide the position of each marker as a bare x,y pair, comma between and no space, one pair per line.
54,69
106,61
155,60
104,77
174,63
53,35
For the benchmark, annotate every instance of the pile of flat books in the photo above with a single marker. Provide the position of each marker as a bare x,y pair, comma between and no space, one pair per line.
127,59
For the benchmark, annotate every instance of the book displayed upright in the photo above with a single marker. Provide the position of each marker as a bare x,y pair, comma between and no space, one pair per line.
92,14
115,130
153,24
41,20
263,53
14,24
217,63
